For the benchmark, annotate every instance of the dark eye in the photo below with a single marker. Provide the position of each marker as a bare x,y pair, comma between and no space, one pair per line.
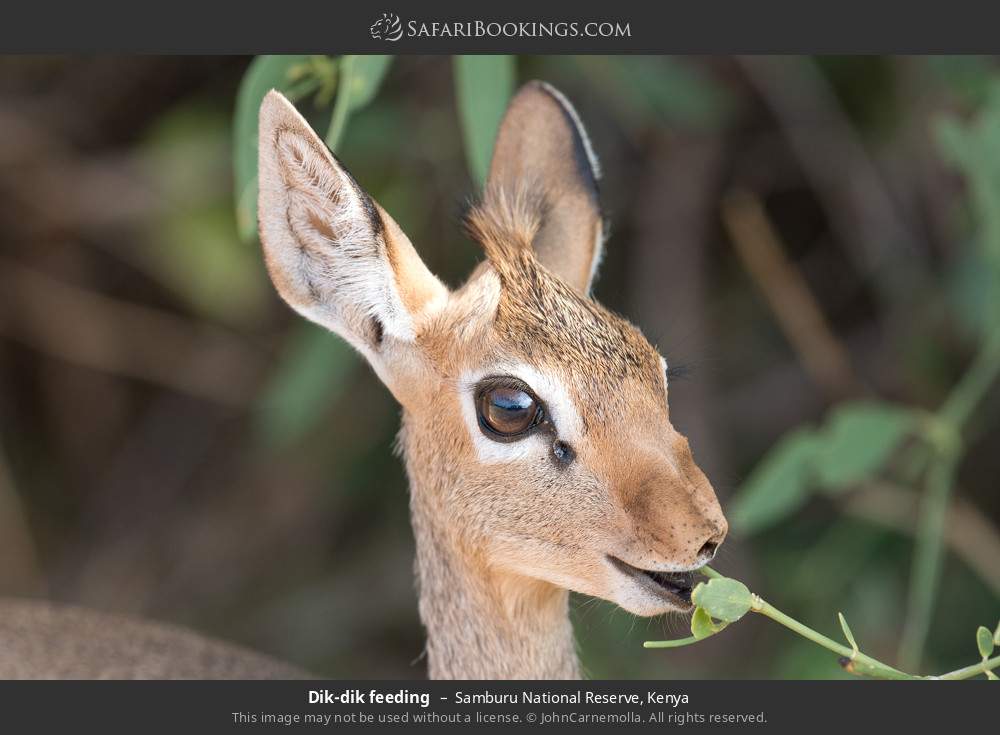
507,411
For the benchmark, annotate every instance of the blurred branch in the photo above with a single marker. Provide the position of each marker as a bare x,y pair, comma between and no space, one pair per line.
971,389
848,183
927,558
967,531
37,168
103,333
779,282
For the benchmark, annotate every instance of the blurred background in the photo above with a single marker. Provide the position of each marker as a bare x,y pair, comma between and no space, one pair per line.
814,241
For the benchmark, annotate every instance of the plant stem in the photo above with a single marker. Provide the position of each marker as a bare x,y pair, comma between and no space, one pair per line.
856,662
851,659
672,643
710,573
966,395
927,557
969,671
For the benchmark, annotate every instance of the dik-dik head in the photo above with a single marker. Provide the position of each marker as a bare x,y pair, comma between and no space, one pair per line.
537,429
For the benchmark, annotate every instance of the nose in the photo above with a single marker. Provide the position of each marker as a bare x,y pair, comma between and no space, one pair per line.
707,551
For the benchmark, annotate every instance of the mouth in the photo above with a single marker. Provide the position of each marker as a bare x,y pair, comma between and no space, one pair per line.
673,587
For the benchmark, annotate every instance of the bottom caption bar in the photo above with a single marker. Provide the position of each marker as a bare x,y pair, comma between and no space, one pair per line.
170,707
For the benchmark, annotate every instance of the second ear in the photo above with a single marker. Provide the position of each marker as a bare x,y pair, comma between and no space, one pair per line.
542,145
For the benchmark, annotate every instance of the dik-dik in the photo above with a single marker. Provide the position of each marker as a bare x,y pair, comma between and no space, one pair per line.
535,424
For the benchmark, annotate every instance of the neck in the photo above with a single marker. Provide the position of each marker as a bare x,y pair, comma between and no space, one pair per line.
488,624
483,623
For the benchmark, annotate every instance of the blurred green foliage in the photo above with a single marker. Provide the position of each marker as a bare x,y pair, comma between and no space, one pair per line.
974,149
483,86
859,439
358,81
850,448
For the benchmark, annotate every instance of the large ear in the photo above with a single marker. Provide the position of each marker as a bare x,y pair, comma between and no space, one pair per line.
542,144
333,254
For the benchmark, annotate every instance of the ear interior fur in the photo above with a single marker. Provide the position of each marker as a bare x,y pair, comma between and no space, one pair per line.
542,187
333,254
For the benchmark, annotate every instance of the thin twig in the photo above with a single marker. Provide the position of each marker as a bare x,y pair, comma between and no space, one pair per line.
730,603
955,414
975,382
927,558
849,185
852,660
93,330
780,283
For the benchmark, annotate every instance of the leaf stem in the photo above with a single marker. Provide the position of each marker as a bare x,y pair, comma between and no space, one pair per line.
672,643
969,671
853,661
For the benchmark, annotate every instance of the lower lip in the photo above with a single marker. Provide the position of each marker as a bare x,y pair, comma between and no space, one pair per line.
679,598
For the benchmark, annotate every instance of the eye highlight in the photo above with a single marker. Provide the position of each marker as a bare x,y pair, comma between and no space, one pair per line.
507,409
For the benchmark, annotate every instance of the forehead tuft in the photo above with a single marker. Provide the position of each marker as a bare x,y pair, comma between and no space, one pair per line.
546,322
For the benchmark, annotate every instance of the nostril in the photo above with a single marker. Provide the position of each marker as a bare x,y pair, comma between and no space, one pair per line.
708,550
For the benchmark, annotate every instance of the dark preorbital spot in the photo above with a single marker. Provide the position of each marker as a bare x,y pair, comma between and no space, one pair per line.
562,452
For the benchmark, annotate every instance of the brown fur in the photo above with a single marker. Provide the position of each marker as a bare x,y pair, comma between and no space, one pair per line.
503,530
41,640
500,540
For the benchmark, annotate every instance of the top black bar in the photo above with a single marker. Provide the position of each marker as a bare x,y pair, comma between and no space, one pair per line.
509,26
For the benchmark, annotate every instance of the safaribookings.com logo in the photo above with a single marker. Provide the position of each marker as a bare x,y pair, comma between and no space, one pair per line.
387,28
390,28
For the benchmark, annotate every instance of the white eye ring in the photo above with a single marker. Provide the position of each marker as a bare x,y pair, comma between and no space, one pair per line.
559,408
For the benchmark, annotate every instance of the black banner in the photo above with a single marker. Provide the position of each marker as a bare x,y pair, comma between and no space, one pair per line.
634,706
513,26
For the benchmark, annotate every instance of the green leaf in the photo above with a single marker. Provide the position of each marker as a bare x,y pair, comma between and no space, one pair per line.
974,149
984,640
778,485
191,244
858,439
724,599
310,376
969,288
358,82
483,87
702,625
263,74
847,631
968,77
996,634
